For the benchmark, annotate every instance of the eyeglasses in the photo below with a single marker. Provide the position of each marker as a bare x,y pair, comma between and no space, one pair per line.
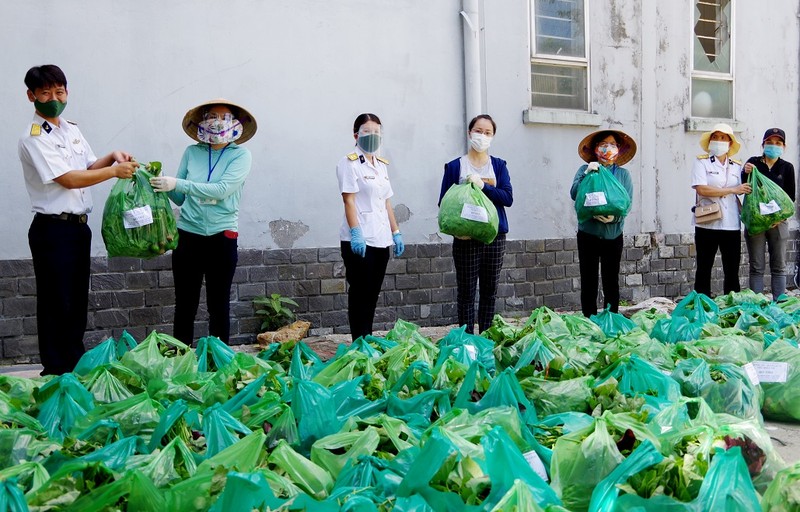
607,145
488,133
213,116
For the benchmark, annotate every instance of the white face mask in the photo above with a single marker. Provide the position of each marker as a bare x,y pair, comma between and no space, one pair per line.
480,142
718,147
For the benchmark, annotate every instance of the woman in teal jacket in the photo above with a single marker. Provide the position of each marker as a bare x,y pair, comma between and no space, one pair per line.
208,188
600,238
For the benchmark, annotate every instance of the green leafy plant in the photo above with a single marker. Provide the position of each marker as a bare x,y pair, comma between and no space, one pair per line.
274,311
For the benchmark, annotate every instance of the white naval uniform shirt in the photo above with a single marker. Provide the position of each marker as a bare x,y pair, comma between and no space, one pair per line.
370,184
47,152
707,170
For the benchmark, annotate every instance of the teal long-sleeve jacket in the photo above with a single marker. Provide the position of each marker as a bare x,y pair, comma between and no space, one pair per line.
209,188
594,227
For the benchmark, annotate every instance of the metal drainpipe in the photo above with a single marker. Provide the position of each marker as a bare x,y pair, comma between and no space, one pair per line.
472,58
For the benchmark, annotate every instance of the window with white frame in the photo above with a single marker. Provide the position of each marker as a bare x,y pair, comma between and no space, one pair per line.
712,71
559,57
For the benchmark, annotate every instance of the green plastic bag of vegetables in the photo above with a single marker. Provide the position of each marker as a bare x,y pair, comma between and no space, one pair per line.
138,222
782,399
600,193
767,205
783,494
11,497
465,211
725,386
612,323
726,486
506,465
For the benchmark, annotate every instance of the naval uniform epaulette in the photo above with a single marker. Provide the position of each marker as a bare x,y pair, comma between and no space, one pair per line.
737,162
71,122
352,157
36,129
703,156
381,159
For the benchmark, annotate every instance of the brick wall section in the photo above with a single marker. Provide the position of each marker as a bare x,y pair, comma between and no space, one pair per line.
138,295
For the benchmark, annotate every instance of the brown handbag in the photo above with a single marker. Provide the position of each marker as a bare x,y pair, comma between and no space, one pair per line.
708,212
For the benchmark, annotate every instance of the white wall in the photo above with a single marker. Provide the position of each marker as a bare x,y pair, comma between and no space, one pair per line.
306,68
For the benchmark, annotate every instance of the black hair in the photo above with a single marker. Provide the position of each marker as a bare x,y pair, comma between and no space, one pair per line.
48,75
483,116
363,119
602,135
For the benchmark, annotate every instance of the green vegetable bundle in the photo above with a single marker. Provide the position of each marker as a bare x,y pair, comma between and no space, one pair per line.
767,204
138,222
406,423
467,212
600,193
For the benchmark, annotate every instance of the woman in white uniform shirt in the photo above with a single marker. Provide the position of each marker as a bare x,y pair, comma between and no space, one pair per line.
369,227
716,177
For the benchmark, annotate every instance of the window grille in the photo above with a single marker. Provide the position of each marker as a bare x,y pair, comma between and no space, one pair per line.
559,63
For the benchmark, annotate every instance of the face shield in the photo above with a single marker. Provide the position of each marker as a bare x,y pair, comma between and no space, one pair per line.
370,138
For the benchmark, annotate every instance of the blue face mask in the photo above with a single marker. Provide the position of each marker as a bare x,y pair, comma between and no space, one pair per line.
773,151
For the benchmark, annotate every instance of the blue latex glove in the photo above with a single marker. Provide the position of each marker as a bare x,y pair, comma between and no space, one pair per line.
357,242
399,246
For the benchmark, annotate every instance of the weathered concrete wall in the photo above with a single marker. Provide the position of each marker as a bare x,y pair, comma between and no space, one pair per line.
306,68
419,287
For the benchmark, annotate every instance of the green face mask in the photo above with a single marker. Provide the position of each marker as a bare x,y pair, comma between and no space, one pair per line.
369,143
50,109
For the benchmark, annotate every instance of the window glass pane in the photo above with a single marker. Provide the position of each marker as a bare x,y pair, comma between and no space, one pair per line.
712,98
559,86
712,36
559,28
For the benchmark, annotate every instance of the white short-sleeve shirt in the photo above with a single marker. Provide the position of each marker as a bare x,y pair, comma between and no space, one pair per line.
370,184
708,170
47,152
485,171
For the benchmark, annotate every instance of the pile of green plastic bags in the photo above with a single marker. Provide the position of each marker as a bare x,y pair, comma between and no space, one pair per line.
559,412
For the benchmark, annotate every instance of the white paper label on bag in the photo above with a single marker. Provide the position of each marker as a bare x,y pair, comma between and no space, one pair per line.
138,217
767,208
772,371
752,373
536,464
472,351
474,212
595,199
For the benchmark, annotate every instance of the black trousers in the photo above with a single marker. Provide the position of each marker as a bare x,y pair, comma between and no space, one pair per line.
61,253
475,261
213,258
365,278
594,251
729,243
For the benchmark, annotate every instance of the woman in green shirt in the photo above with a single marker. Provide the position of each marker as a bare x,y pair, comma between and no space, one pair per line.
208,188
600,238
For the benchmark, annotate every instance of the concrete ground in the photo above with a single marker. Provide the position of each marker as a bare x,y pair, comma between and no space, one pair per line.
785,436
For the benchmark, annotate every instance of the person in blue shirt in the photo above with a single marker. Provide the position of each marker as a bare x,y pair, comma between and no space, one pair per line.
474,260
600,238
208,188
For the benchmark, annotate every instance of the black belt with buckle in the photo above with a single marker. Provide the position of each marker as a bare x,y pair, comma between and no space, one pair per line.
69,217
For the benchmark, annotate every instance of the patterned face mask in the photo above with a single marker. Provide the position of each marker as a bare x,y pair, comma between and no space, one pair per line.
607,152
219,130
